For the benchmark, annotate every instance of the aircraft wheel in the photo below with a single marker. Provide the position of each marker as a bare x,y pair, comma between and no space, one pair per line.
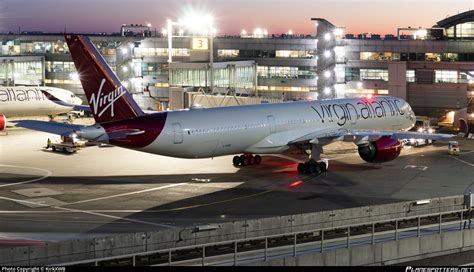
252,160
236,160
243,161
323,167
54,149
248,160
301,168
314,168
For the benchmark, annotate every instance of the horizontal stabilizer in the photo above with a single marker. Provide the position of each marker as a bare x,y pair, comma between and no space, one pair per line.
50,127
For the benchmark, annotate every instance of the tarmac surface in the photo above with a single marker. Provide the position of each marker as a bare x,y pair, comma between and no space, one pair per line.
98,191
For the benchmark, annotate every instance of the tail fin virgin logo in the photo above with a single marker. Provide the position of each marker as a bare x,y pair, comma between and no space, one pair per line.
103,102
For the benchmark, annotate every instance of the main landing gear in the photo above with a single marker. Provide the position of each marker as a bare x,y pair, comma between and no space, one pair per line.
312,167
315,165
246,159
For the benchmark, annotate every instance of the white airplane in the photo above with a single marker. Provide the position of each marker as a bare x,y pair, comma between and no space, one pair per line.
23,101
375,124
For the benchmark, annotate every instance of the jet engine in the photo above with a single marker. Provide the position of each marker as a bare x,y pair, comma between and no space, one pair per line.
3,122
383,150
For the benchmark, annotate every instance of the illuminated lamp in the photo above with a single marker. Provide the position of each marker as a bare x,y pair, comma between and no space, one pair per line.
327,36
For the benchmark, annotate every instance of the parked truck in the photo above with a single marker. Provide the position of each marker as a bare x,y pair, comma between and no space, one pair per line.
422,125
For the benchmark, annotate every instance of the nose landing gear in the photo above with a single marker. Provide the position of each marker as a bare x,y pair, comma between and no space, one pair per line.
246,159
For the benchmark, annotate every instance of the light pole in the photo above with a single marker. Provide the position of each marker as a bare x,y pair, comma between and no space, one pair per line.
211,58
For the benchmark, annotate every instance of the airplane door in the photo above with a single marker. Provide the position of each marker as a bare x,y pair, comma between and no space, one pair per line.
178,133
271,121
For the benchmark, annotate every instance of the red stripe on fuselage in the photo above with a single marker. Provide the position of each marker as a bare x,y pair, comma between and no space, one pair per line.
152,125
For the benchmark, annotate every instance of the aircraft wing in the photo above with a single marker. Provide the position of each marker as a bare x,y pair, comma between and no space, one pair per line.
58,101
68,129
365,135
50,127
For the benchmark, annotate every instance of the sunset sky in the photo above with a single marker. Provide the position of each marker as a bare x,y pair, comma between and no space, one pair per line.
231,16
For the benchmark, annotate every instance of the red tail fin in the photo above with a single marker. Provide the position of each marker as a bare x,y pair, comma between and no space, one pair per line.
108,99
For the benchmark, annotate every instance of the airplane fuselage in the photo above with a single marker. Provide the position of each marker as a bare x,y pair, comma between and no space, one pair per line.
260,129
24,101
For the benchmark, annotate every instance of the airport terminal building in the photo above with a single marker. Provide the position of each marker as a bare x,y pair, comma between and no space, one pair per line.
433,68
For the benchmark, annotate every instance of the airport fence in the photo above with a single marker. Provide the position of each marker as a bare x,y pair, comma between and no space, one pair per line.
231,232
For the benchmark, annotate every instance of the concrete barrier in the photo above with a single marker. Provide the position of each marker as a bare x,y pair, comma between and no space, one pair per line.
310,221
408,247
387,253
351,216
158,240
120,245
225,231
61,252
15,256
366,254
268,226
69,251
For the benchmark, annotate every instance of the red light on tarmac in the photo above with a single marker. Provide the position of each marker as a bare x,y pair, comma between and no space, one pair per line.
296,183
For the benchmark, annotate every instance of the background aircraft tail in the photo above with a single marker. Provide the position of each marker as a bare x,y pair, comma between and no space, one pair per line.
108,99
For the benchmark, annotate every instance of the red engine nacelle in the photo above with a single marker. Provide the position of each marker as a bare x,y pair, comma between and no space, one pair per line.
3,122
383,150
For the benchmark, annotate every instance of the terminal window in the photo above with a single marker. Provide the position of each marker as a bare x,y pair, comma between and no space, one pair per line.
160,52
464,30
294,54
446,76
303,72
411,76
285,88
227,53
379,56
374,74
59,67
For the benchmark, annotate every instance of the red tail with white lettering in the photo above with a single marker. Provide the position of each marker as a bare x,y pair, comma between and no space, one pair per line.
108,99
